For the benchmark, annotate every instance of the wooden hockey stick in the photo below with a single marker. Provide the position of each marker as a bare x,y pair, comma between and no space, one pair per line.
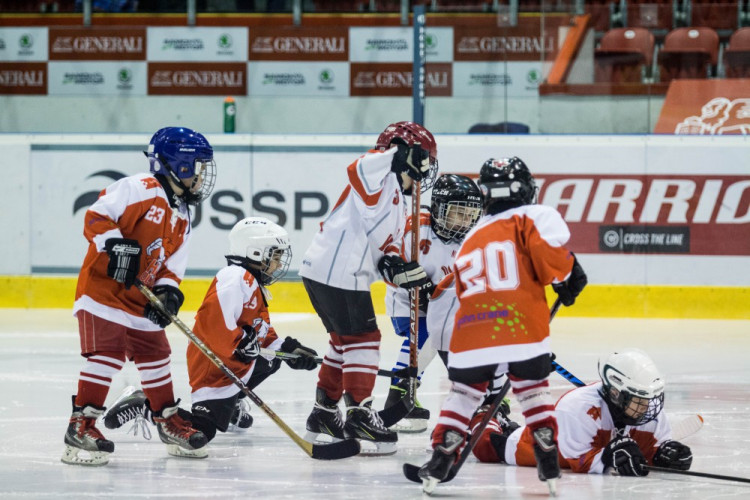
412,471
416,193
285,355
697,474
333,451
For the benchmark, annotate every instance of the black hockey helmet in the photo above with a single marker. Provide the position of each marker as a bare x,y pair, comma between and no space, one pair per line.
506,182
455,208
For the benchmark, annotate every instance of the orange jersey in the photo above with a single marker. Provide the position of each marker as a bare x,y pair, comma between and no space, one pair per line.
501,270
234,300
134,207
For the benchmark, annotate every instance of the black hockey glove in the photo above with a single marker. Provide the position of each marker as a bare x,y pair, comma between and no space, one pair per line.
569,289
413,160
425,294
306,359
172,299
673,455
248,349
402,274
124,260
623,454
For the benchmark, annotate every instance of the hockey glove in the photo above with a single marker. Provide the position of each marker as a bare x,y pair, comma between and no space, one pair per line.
248,349
623,455
172,299
425,293
306,359
124,260
413,160
569,289
673,455
402,274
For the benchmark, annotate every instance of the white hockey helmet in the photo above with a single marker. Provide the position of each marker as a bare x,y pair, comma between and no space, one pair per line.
263,245
632,386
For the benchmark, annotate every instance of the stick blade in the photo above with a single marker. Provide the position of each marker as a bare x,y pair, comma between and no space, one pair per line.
686,427
394,413
411,472
336,451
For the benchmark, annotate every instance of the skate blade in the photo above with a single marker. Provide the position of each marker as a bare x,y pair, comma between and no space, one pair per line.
552,485
178,451
320,438
429,484
90,458
373,449
411,425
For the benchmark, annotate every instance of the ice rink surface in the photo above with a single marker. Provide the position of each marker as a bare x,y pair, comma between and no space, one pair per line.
705,363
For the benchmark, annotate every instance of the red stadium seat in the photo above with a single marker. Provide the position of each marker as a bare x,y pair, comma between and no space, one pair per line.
688,53
737,54
623,55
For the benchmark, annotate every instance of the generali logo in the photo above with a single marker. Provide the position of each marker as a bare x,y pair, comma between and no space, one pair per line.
396,79
23,78
504,44
71,44
197,78
299,45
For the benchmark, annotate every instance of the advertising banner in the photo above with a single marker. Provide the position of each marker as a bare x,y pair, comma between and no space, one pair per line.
23,78
706,107
497,79
524,42
387,44
395,79
97,44
299,44
316,79
197,44
97,78
197,78
23,44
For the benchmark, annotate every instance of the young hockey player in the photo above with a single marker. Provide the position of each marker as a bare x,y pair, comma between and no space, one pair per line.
233,322
138,231
616,425
455,207
357,239
501,325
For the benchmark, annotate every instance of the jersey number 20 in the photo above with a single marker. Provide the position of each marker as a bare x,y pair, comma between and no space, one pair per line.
495,266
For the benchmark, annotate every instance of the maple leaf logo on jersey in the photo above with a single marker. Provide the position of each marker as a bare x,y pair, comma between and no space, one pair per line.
424,246
595,413
88,199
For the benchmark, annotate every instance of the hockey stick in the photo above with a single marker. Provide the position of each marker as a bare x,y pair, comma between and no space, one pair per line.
333,451
416,193
412,471
697,474
286,355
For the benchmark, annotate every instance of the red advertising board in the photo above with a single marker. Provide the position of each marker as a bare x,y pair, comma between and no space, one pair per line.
685,214
395,79
97,44
23,78
299,44
192,78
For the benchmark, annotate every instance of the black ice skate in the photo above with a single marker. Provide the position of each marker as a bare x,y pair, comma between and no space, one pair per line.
130,406
414,421
364,423
241,418
325,424
83,436
177,433
444,456
545,452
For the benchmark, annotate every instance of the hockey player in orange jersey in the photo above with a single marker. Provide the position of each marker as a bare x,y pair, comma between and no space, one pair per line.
501,326
616,425
233,322
138,231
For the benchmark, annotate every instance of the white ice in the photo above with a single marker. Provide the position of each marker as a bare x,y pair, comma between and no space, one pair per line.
705,363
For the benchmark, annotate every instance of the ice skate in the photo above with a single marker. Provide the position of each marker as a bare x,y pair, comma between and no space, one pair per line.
416,420
325,424
181,439
130,406
83,436
241,418
545,452
364,423
443,457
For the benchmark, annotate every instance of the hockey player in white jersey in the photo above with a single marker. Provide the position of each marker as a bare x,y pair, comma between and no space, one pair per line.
455,207
356,240
614,426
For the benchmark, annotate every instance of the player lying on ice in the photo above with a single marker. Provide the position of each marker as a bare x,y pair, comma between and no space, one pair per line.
138,230
234,323
616,425
502,323
455,207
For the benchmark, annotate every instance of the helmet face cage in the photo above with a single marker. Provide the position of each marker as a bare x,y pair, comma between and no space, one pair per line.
634,410
412,133
635,397
257,244
455,218
183,154
275,263
507,180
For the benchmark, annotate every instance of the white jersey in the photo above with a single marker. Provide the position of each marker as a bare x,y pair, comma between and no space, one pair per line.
435,256
585,428
441,313
366,223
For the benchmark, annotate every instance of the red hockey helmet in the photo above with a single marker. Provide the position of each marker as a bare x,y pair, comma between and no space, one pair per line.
412,133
